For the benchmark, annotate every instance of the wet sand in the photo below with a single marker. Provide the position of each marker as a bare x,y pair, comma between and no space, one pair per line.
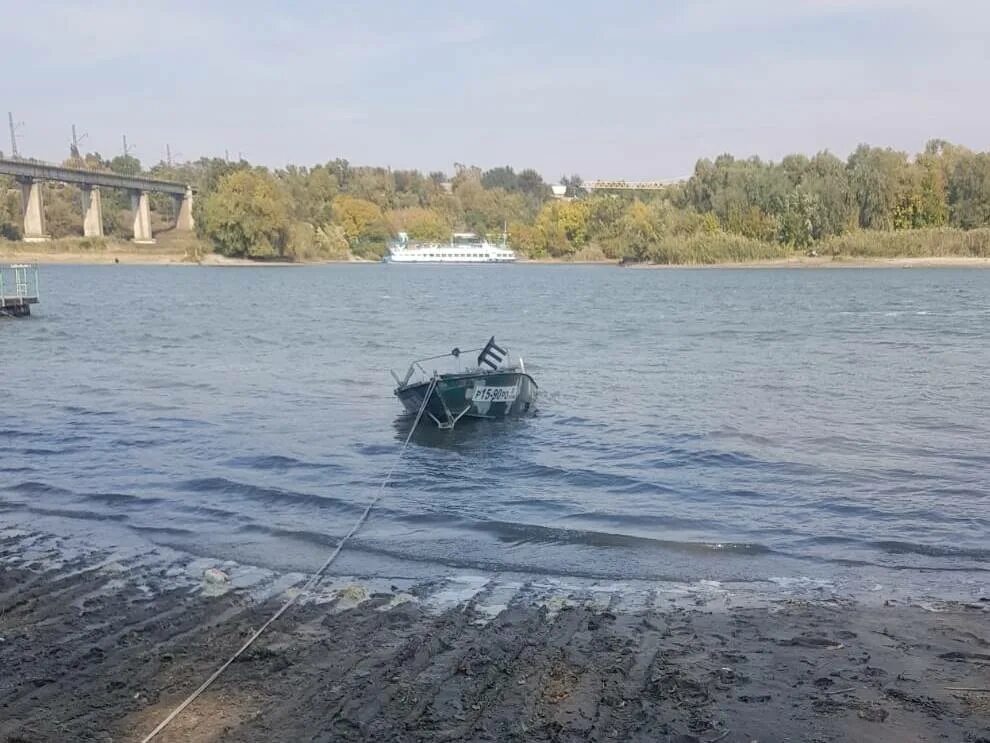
100,649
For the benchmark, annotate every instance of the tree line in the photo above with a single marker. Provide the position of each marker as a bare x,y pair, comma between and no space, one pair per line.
729,209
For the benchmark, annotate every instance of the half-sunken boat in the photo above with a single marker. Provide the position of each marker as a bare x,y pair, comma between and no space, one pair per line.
496,386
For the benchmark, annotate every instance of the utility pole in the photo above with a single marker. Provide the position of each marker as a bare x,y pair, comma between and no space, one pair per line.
13,135
127,150
76,140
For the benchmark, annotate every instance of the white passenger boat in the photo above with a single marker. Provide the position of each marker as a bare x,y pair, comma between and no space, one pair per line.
464,247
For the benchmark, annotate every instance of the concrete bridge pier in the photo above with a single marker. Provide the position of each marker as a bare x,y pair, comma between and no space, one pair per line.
183,212
92,211
142,217
31,175
33,209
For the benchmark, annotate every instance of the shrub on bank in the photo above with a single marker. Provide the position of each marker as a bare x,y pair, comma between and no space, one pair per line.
921,243
589,254
309,243
182,245
705,248
66,245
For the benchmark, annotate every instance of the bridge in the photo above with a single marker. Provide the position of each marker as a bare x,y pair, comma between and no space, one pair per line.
30,175
600,185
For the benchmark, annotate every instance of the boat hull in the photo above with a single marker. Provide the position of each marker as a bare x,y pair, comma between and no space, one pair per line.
487,395
400,258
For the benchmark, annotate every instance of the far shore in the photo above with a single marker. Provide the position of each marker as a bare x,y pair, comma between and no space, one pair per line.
125,254
128,254
939,261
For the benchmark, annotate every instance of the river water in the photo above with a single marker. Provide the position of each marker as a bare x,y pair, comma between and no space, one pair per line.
777,427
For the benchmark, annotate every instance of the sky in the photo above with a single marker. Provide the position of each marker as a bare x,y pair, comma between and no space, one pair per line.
618,89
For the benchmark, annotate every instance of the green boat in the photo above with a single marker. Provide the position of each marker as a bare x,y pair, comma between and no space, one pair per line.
495,387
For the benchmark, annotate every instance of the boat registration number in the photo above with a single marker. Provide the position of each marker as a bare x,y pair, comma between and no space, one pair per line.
494,394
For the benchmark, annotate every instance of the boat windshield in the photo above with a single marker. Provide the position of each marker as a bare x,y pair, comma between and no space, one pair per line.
464,361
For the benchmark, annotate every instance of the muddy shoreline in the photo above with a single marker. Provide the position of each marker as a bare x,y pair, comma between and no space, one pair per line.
102,650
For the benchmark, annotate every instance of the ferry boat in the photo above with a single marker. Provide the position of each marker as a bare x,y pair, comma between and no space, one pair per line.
464,247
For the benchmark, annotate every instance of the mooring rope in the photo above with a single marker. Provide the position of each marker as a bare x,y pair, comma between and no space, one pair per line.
309,584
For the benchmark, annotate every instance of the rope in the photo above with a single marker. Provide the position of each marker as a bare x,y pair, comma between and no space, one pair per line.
308,585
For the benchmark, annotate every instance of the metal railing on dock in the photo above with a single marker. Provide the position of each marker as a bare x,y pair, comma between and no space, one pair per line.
19,289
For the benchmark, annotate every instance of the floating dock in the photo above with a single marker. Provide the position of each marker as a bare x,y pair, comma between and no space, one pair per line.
18,289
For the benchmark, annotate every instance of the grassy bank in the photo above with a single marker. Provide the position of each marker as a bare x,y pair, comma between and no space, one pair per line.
718,247
169,247
943,242
726,248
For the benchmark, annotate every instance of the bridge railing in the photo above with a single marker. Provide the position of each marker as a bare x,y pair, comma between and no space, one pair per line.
44,172
620,185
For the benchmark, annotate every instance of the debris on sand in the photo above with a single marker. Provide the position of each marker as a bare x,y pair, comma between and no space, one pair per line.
215,576
350,596
873,713
215,582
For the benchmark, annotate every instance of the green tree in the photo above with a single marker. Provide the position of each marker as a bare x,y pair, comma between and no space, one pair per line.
482,210
126,165
879,179
969,191
563,226
310,192
63,210
642,230
376,185
10,210
363,224
326,242
534,191
331,242
527,239
934,182
503,177
827,182
247,215
751,222
574,186
795,168
605,223
732,189
419,223
799,219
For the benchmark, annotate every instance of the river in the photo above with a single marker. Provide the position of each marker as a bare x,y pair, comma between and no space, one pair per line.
777,427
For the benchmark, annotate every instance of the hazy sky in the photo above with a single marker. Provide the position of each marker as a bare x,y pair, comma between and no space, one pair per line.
604,89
